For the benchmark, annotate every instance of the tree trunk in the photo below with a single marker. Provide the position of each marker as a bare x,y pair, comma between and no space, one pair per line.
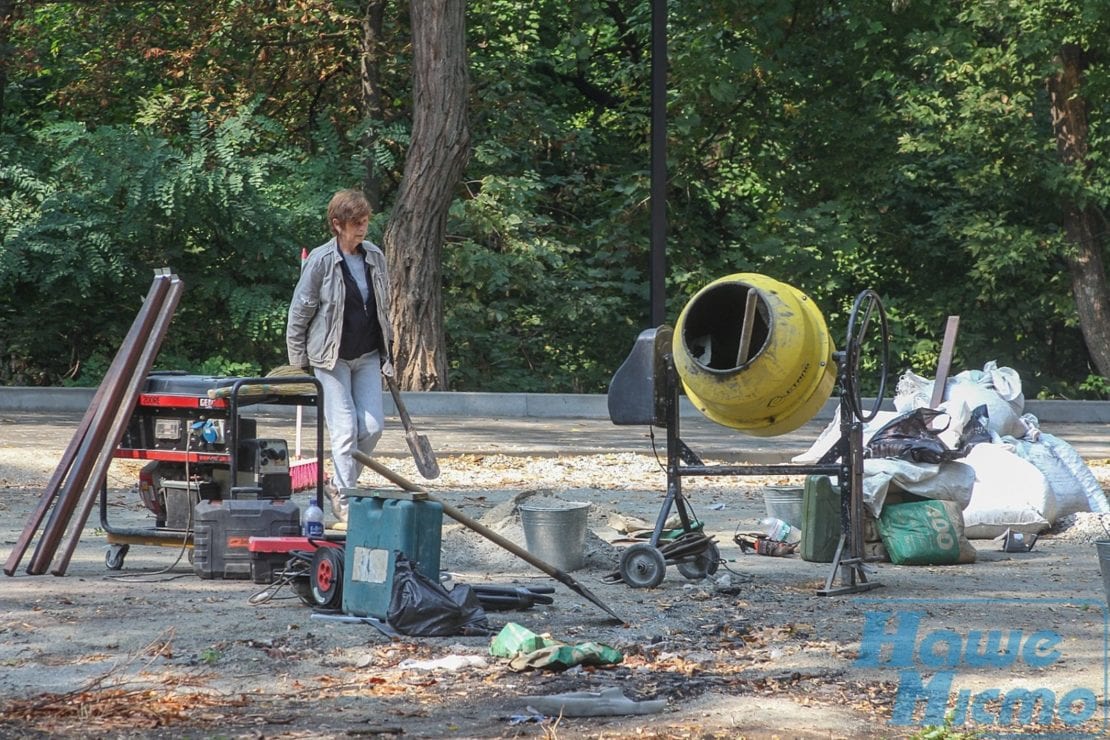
1084,223
371,83
435,160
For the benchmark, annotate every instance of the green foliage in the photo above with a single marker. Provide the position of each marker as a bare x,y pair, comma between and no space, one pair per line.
87,225
905,147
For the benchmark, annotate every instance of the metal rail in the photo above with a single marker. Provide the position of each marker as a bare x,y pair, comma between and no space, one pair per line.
149,350
114,384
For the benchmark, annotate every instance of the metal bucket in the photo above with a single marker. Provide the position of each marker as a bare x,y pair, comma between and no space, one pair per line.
556,534
754,354
1103,548
785,502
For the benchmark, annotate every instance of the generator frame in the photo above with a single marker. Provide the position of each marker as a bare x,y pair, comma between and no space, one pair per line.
642,565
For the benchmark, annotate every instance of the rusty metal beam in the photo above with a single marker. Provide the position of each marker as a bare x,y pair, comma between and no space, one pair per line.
127,403
93,440
34,522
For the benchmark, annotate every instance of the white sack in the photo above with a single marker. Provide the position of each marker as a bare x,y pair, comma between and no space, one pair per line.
1002,418
999,389
1069,500
1009,493
948,481
1092,490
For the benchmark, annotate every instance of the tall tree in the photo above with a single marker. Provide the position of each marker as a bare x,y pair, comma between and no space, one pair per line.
435,160
1084,221
370,78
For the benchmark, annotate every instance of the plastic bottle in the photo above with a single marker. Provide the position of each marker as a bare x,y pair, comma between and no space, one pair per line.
312,525
781,531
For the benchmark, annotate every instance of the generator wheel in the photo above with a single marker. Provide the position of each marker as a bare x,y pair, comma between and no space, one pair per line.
326,578
642,566
113,558
704,563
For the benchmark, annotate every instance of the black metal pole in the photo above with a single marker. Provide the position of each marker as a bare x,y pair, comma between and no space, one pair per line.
658,160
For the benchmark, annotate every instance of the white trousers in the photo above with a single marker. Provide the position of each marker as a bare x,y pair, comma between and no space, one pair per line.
353,412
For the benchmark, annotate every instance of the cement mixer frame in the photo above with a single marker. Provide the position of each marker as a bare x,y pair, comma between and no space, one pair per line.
646,390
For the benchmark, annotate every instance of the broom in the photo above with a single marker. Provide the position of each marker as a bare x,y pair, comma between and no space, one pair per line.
302,473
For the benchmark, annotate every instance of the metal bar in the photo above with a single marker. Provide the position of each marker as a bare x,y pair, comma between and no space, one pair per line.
674,449
51,490
658,216
149,350
848,562
233,418
84,457
66,462
782,469
485,531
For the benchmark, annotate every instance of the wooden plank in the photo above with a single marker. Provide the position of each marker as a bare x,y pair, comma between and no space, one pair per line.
944,364
750,306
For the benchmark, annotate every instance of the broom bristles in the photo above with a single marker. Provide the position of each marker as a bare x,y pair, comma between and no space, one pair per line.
295,389
284,371
262,389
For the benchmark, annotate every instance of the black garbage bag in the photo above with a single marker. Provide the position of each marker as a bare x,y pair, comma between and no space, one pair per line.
911,437
422,607
977,429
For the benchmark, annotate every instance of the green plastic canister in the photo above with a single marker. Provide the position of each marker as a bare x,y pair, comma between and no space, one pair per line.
820,519
378,528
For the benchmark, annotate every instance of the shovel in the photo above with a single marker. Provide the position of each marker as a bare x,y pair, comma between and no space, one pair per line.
485,531
419,445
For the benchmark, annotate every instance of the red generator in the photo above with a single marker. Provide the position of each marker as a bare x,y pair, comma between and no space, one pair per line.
211,482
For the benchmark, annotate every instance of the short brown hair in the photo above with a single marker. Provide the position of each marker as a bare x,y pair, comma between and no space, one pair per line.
346,206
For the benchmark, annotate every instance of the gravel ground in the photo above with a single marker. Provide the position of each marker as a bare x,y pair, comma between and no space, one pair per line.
753,651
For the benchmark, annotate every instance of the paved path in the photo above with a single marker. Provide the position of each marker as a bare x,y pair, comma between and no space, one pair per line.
531,436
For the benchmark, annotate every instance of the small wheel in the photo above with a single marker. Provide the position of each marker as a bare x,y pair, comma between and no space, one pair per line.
326,577
866,303
642,566
113,559
704,563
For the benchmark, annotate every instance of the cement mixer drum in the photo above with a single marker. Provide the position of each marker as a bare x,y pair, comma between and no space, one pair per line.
754,354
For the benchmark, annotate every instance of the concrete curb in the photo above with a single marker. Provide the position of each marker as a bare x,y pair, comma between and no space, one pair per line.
510,405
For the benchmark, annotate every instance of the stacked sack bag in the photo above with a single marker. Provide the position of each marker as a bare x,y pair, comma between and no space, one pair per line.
1025,479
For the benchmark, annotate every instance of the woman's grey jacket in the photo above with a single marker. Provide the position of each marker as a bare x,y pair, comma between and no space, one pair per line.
315,322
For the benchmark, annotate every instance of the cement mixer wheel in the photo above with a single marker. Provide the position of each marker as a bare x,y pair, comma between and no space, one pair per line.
701,565
866,304
642,566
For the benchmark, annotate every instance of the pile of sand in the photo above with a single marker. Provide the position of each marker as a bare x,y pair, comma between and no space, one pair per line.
467,551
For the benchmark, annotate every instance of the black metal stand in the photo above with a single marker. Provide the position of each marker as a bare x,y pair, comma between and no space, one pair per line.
848,562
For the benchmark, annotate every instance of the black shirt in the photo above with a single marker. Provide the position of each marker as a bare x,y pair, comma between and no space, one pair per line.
361,333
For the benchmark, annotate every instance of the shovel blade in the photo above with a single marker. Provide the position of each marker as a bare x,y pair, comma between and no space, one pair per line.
423,455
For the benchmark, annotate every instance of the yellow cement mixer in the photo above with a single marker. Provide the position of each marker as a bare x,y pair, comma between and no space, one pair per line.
754,354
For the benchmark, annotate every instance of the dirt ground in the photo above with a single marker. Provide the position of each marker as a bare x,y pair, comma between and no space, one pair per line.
153,651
